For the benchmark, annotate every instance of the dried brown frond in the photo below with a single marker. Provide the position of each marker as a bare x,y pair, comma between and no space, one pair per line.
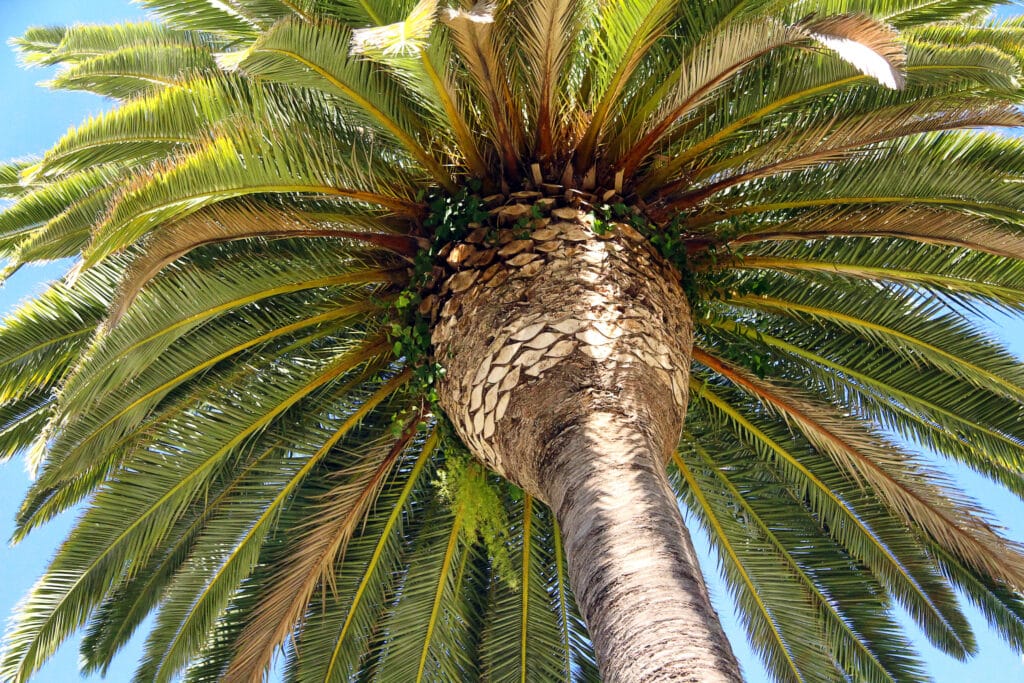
473,31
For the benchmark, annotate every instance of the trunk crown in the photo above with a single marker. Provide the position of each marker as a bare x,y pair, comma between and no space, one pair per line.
541,324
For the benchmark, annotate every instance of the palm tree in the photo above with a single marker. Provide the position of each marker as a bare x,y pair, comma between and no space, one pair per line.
385,318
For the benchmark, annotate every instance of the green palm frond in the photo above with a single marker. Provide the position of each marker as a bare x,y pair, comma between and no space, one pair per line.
155,352
130,601
50,45
41,342
336,640
150,127
340,511
43,338
865,529
739,45
222,19
526,638
960,274
304,54
953,521
967,72
88,561
1004,36
1002,607
416,51
754,535
56,202
929,226
711,63
950,172
920,404
228,222
627,32
238,162
133,72
902,14
418,629
11,182
918,330
809,147
198,594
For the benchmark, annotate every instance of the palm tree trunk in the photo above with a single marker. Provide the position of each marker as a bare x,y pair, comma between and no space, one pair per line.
631,563
567,355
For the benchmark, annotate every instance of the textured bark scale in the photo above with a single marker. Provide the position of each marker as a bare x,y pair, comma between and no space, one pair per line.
567,355
559,325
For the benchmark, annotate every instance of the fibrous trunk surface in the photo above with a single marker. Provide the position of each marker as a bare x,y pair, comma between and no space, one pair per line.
567,347
631,563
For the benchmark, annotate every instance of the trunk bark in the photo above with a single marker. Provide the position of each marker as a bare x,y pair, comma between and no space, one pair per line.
567,355
631,563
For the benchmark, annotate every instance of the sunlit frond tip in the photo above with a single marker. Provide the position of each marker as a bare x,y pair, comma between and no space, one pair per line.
867,44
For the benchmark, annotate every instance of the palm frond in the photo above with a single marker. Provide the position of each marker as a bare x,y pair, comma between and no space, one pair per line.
764,626
769,527
182,624
41,339
922,224
36,207
125,607
627,31
87,566
550,28
166,317
950,172
420,65
51,45
528,635
132,72
422,626
152,127
306,54
316,551
948,517
240,221
216,18
336,641
242,162
870,46
473,36
932,70
829,144
915,329
854,518
922,405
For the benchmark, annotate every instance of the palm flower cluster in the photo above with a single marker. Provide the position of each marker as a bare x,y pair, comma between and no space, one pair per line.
378,306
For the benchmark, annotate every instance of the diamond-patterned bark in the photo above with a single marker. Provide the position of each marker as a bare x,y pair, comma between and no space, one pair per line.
555,309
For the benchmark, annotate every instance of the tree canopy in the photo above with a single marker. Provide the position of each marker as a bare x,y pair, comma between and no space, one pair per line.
235,376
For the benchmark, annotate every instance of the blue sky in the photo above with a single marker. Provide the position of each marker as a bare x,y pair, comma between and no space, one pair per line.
31,118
